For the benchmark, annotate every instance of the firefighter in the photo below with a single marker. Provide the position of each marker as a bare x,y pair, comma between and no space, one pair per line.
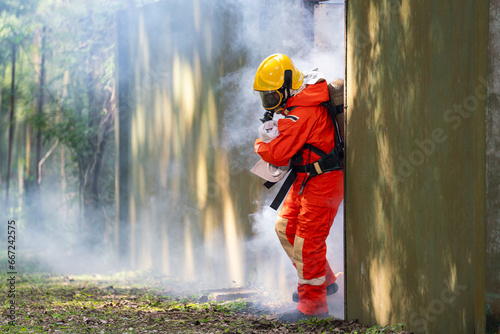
303,136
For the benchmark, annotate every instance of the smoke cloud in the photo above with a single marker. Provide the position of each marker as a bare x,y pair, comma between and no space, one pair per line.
197,244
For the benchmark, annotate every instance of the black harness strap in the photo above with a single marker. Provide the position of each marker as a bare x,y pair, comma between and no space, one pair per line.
316,150
284,189
269,184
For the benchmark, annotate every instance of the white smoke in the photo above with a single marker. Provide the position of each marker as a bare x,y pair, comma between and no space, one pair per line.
263,27
282,27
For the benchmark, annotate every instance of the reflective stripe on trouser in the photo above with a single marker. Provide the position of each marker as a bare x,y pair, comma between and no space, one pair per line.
287,240
303,225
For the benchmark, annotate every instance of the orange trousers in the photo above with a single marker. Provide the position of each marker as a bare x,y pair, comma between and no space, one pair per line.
303,225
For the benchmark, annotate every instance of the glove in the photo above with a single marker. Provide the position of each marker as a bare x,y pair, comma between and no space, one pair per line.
268,131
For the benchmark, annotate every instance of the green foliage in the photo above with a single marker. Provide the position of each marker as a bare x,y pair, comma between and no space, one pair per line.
78,95
72,131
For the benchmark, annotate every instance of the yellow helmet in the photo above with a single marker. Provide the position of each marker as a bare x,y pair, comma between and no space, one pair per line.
274,75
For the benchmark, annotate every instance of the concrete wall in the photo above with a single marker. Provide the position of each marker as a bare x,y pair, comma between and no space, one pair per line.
415,183
187,205
493,170
181,199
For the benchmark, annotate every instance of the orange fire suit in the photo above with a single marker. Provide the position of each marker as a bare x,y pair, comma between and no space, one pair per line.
304,221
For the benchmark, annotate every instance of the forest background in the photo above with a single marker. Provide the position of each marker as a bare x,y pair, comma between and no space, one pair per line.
57,112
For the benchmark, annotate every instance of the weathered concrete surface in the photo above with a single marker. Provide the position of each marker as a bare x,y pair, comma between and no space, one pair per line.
230,294
493,170
187,202
181,200
415,181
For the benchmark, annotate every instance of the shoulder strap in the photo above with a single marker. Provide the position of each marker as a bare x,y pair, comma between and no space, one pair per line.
318,151
339,143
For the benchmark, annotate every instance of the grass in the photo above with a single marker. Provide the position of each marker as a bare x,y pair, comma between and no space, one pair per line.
140,303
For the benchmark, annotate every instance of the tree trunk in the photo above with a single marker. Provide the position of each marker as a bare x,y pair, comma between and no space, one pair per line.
99,123
92,219
125,82
64,93
2,75
11,122
93,215
39,112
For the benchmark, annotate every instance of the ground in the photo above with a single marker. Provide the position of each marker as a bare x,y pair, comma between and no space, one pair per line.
140,303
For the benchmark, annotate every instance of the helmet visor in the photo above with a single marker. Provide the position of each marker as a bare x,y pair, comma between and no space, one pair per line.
271,100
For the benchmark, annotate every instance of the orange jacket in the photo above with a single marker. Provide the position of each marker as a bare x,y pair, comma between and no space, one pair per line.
308,123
